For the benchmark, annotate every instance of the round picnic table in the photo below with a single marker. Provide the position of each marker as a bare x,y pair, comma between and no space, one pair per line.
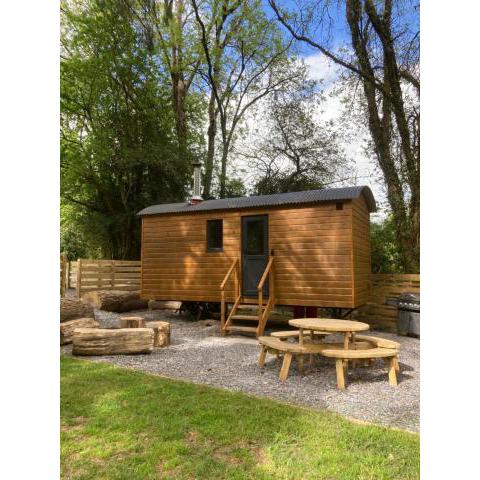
331,325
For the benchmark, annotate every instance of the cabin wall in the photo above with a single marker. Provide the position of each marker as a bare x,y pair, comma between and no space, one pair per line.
313,248
312,245
361,251
175,263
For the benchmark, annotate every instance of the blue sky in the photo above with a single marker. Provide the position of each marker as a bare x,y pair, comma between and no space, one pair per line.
339,33
321,68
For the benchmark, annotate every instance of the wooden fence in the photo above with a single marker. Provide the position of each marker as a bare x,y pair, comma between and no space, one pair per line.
72,275
106,275
64,273
375,312
86,275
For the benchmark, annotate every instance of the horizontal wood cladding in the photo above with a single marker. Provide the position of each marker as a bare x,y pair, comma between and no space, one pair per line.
361,260
312,248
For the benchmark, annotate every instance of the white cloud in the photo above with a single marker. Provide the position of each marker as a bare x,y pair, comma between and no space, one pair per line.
321,68
330,109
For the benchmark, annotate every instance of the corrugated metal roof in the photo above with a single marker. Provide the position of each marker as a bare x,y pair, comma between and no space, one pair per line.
277,199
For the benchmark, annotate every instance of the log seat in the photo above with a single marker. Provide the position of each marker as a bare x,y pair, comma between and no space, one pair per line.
115,341
161,332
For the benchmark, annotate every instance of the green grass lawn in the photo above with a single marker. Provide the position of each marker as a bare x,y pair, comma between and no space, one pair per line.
120,424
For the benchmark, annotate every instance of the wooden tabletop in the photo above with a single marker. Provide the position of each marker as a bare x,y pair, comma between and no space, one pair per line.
329,324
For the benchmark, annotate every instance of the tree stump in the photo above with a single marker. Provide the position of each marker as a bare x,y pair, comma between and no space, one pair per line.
71,308
118,341
67,328
161,332
115,300
132,322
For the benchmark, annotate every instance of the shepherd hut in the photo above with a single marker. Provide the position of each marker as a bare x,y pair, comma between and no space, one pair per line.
308,249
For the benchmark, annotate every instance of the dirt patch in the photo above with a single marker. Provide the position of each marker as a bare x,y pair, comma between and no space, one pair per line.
224,453
191,438
78,423
170,472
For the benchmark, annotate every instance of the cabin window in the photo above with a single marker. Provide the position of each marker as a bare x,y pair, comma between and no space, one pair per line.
214,235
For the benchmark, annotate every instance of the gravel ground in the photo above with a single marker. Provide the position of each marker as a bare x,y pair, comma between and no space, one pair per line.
199,354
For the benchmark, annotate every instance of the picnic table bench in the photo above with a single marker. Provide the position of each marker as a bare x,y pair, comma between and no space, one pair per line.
354,347
276,345
342,356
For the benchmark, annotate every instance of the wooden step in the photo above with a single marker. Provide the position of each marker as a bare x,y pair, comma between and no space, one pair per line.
246,307
253,318
251,301
235,328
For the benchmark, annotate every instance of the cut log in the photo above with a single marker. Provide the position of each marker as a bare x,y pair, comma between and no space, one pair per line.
132,322
67,328
115,300
161,332
118,341
163,305
71,308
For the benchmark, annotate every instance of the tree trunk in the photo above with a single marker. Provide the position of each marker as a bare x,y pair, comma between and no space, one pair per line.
132,322
223,173
369,26
405,217
211,134
115,300
120,341
179,97
164,305
161,332
67,328
71,308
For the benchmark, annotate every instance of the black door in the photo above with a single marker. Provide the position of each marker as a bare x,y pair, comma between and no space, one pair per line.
254,253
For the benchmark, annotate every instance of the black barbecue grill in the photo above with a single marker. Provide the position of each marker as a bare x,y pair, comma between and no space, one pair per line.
408,315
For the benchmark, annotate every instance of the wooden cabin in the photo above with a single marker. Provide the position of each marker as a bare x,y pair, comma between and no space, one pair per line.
307,248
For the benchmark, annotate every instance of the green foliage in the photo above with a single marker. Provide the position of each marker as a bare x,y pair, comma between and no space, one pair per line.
72,240
235,188
283,182
384,247
121,424
118,145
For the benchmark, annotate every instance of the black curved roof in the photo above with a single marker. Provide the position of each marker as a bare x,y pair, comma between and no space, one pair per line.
277,199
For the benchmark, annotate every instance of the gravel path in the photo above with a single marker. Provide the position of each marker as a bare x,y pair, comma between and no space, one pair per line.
199,354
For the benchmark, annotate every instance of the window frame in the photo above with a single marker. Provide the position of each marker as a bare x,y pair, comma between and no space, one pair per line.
214,249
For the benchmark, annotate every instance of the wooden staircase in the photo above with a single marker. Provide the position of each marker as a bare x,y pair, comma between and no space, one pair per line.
262,309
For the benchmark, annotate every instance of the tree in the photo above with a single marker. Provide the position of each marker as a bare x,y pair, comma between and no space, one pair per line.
385,62
292,150
246,60
118,148
167,32
385,255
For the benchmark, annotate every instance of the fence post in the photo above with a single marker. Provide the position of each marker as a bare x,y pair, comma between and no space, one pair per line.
62,274
67,274
112,275
79,277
